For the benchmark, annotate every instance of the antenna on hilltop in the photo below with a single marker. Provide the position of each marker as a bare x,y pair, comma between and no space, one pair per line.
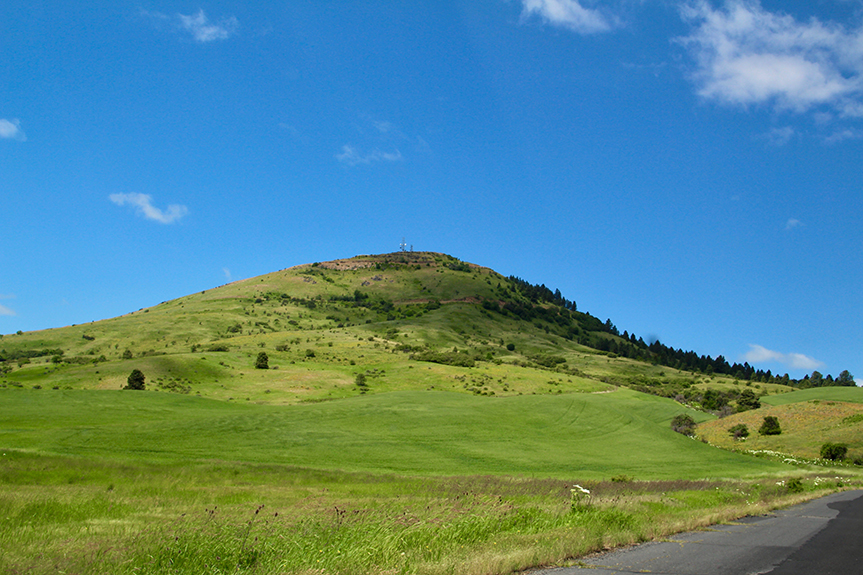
402,245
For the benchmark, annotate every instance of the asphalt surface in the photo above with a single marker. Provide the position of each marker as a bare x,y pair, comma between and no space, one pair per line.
821,537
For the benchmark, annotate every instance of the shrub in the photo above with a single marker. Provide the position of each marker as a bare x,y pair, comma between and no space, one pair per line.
770,426
739,431
834,451
683,424
510,347
127,354
747,400
263,361
136,380
795,485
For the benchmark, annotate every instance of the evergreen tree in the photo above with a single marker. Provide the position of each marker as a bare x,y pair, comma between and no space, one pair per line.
136,380
770,426
263,361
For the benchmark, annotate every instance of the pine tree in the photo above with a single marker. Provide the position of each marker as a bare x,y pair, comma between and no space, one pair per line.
136,380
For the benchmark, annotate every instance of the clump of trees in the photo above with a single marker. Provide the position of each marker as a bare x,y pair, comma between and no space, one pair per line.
739,431
684,424
834,451
136,380
263,361
770,426
361,383
747,400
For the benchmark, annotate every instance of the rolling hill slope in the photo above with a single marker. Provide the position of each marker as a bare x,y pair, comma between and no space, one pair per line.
409,326
323,324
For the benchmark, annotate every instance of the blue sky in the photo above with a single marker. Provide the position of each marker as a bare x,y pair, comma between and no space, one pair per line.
689,169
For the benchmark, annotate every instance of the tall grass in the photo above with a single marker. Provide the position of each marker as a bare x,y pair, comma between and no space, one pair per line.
85,516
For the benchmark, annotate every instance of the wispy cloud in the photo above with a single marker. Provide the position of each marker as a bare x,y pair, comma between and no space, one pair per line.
352,157
842,135
5,310
11,130
760,354
780,136
227,273
793,223
746,55
198,25
569,14
144,206
202,30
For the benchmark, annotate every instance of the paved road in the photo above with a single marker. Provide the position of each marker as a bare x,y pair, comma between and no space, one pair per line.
821,537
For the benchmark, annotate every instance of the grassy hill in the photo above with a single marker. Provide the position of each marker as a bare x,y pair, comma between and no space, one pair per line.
808,419
323,324
412,404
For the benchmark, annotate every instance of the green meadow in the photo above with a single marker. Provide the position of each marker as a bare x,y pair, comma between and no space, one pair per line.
414,482
579,436
414,414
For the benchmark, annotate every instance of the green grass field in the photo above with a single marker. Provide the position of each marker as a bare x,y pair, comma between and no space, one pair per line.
847,394
578,436
413,482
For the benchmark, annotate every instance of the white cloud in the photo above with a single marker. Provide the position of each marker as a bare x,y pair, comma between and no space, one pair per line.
203,30
144,206
760,354
227,273
747,55
842,135
11,130
383,126
352,157
780,136
5,310
198,25
568,14
793,223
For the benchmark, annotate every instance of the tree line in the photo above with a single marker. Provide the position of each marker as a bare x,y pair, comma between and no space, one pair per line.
629,346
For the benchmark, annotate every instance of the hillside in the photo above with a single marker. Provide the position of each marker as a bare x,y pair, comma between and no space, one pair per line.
808,418
410,403
397,321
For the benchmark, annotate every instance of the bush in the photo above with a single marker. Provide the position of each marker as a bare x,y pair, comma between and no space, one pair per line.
739,431
834,451
747,400
136,380
263,361
770,426
683,424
